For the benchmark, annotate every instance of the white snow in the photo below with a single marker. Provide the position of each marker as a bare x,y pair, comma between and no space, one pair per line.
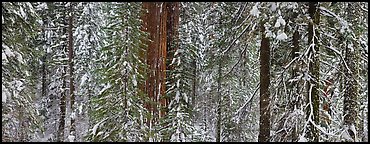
282,36
302,139
177,97
96,126
105,88
19,57
7,50
23,14
18,85
80,109
73,115
280,21
134,82
4,94
273,6
353,128
83,79
71,138
346,136
255,12
3,58
43,6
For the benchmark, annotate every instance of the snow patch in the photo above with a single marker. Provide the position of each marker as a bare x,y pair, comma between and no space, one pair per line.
96,126
255,12
71,138
282,36
19,57
83,79
105,88
3,58
273,6
134,82
80,109
7,50
280,21
177,97
302,139
4,94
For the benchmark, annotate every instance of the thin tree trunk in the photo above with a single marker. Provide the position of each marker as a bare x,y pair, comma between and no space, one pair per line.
194,93
264,134
295,85
219,108
71,78
63,98
314,66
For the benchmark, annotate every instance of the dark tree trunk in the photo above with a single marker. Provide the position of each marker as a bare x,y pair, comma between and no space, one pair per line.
295,85
63,96
219,107
314,66
351,85
264,134
71,78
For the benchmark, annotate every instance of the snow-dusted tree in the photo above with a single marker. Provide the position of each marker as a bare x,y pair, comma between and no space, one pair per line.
177,124
20,118
87,45
118,113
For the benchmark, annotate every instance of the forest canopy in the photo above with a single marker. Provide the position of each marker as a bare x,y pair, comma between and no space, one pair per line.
185,71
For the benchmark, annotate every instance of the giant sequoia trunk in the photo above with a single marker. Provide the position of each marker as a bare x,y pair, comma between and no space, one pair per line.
264,134
312,111
161,22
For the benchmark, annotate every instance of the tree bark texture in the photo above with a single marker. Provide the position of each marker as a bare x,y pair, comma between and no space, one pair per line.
351,86
161,23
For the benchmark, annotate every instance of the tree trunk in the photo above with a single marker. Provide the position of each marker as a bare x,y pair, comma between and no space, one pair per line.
194,86
295,85
71,79
161,69
264,134
172,26
63,97
162,28
219,108
314,65
351,85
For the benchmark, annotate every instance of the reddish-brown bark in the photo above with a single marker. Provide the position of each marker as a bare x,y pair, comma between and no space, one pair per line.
161,23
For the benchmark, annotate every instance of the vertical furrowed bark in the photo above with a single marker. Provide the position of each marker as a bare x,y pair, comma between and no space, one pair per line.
162,59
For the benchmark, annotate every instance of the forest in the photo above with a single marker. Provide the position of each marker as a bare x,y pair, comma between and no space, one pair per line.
184,71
